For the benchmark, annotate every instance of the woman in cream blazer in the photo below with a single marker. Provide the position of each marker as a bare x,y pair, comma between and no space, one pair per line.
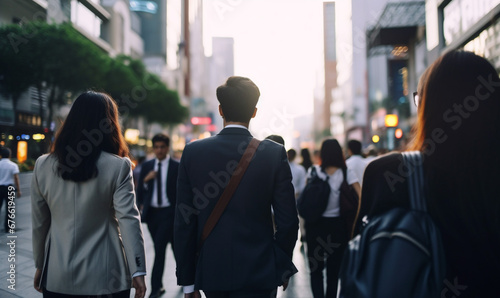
87,237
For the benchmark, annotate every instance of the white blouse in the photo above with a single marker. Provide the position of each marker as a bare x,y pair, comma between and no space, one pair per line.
335,180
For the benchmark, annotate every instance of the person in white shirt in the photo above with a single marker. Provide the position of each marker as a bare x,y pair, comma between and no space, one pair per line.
331,228
356,162
8,178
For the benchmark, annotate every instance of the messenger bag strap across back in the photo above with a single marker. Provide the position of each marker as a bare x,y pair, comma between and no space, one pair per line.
229,190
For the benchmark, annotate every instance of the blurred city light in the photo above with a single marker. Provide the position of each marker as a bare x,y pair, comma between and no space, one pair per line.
132,136
22,151
391,120
38,137
398,133
375,139
201,120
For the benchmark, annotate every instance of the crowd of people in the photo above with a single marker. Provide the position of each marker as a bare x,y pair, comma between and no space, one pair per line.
238,241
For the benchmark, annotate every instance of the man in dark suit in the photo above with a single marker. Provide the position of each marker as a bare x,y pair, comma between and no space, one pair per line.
240,258
156,195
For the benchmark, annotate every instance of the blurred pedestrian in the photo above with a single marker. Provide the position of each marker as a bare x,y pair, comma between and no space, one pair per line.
306,158
9,182
137,170
457,131
87,235
299,182
331,228
370,153
242,256
156,196
277,138
356,162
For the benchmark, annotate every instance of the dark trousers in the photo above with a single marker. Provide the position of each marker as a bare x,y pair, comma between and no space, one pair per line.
326,240
242,294
122,294
161,228
4,197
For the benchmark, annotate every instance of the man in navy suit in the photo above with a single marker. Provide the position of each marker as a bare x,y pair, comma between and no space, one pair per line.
156,195
242,255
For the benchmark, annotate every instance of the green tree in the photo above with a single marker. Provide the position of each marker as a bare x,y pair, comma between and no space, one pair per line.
142,94
56,57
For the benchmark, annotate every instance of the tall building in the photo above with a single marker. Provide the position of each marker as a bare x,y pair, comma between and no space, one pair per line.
221,66
472,25
350,100
396,59
162,32
329,121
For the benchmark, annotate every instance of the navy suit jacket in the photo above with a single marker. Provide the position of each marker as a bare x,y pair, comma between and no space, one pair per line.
241,252
144,194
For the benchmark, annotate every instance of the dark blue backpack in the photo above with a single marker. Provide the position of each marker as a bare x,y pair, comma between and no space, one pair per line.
400,252
314,198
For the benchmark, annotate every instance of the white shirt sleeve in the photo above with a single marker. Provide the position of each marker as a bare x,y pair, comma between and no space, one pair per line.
351,177
188,289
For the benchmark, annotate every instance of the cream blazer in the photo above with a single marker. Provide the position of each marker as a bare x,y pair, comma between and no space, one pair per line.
87,236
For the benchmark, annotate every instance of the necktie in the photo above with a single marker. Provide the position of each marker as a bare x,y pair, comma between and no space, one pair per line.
158,185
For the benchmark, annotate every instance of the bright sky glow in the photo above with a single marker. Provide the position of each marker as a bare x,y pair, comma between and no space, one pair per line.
279,45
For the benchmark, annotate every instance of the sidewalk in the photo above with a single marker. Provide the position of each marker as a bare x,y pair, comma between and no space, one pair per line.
21,257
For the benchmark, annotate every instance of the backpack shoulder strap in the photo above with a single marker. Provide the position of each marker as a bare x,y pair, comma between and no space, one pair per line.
413,162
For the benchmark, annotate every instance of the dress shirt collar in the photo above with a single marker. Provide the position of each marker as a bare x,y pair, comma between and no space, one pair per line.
235,126
163,162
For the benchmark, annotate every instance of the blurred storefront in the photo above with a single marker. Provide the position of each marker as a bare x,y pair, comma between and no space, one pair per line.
472,25
396,58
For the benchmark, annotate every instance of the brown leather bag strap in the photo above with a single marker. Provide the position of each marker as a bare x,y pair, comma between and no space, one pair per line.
229,190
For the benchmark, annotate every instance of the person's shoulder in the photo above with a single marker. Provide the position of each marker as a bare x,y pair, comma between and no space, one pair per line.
200,144
388,162
44,158
269,145
173,161
110,159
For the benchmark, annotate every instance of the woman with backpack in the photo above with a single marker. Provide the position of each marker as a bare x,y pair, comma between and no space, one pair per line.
458,135
327,237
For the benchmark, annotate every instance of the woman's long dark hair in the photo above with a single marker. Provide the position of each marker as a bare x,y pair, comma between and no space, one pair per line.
306,158
91,127
331,154
458,132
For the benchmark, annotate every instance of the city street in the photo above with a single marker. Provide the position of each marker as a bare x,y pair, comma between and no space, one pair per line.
16,250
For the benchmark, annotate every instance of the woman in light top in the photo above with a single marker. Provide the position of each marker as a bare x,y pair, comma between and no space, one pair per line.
87,236
331,228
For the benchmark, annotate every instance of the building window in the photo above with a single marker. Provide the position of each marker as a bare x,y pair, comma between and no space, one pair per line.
85,19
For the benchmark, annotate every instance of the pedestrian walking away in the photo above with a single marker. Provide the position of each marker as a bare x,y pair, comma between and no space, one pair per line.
87,236
244,255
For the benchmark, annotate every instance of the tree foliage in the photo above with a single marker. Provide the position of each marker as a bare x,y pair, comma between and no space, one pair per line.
57,57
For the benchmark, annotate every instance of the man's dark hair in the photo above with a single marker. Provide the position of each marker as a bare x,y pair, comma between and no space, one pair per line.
5,152
354,146
278,139
291,153
238,98
161,137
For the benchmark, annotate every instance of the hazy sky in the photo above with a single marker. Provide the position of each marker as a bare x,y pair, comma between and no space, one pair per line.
279,45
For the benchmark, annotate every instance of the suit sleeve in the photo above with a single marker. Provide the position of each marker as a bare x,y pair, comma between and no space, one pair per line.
185,226
40,217
284,206
128,218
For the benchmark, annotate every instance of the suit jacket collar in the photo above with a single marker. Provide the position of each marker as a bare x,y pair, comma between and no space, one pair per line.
235,131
